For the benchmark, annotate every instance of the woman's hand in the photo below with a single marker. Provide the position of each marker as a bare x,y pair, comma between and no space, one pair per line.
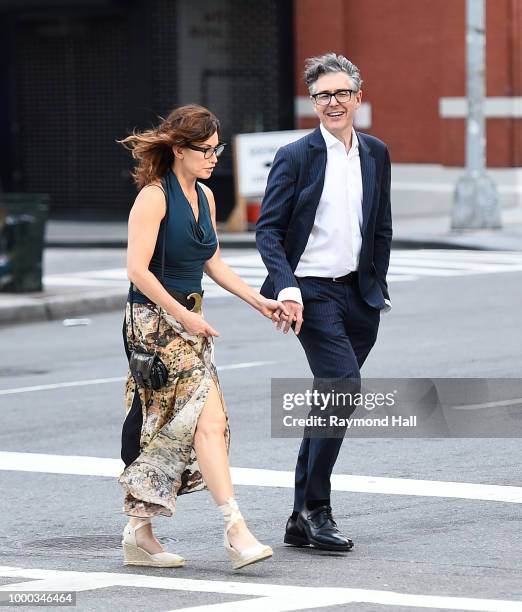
272,309
195,325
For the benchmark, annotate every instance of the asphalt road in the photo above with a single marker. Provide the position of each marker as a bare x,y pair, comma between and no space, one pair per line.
425,543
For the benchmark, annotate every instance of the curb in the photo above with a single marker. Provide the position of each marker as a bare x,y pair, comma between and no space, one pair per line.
91,244
53,308
24,309
416,244
241,243
227,241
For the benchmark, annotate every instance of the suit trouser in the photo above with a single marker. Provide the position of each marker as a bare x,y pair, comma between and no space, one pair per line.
337,334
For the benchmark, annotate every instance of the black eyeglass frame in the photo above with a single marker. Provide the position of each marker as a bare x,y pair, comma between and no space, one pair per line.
333,95
220,146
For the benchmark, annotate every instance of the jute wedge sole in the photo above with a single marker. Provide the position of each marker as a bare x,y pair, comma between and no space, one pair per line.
134,555
253,554
249,556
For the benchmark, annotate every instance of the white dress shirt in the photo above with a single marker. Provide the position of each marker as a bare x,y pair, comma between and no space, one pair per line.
334,244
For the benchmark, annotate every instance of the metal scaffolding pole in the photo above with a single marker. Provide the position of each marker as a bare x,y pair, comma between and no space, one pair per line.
475,203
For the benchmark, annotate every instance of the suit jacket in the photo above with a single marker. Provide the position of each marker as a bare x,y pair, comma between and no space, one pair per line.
293,191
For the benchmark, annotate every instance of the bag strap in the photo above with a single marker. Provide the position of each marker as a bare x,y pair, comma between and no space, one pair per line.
131,289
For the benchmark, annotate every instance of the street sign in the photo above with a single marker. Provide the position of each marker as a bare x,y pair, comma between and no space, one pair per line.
254,154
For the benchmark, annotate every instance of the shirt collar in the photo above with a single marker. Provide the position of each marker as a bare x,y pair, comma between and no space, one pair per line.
331,140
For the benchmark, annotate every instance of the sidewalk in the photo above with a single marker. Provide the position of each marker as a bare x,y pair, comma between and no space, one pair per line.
73,247
426,232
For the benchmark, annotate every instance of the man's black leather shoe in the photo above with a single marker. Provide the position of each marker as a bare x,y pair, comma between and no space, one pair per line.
321,529
295,535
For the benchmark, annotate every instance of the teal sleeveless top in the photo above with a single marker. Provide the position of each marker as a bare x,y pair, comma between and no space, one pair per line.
189,244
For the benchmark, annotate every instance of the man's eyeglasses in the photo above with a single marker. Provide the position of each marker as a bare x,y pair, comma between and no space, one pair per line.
341,95
209,151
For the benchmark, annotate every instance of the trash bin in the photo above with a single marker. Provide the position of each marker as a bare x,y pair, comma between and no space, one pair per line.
22,229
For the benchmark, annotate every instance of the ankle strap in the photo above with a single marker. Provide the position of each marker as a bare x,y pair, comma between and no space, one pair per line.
231,512
142,523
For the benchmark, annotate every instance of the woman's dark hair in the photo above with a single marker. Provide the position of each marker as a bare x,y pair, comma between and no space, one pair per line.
153,148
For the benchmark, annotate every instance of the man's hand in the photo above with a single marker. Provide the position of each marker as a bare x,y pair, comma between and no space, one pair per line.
295,313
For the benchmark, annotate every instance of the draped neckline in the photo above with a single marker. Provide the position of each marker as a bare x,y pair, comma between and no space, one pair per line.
187,201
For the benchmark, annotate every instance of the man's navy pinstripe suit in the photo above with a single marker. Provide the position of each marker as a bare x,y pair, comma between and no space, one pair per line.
340,321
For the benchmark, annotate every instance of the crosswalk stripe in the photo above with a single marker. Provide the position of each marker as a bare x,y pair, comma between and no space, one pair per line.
458,265
111,468
264,596
505,256
405,265
421,271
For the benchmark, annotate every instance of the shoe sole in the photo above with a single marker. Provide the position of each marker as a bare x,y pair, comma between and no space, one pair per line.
257,559
322,546
295,540
151,564
133,555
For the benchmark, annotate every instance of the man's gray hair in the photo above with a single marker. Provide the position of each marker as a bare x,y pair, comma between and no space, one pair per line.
316,66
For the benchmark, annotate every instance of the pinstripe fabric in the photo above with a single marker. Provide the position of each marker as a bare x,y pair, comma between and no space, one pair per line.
338,332
340,321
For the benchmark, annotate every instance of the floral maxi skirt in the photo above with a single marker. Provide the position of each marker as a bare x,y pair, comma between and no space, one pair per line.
167,465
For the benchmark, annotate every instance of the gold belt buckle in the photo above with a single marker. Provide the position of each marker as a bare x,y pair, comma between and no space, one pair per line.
197,301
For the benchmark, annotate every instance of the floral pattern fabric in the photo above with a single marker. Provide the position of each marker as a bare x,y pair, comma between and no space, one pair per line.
167,465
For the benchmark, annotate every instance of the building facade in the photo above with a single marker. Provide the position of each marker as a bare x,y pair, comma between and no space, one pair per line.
77,75
411,54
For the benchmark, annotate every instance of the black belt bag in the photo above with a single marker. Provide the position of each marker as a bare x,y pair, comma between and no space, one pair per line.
148,370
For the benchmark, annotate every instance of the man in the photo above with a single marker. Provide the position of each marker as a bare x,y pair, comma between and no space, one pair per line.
324,234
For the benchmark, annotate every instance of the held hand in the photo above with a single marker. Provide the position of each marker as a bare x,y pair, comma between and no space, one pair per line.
196,325
295,313
273,309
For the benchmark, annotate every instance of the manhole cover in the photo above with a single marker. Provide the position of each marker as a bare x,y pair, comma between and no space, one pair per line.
12,372
83,543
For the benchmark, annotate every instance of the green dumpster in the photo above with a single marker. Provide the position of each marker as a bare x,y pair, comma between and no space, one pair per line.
22,228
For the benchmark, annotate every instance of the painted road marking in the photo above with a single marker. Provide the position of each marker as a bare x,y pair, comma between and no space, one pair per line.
265,596
405,265
112,468
114,379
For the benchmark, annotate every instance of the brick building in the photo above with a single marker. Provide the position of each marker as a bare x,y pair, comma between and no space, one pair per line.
77,74
412,59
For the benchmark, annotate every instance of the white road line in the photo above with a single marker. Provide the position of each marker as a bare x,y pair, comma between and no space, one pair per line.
63,385
404,265
498,404
245,364
103,381
465,255
112,468
461,265
265,596
398,268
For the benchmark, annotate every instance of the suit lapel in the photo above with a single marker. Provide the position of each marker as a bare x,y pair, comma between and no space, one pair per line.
316,172
368,179
308,199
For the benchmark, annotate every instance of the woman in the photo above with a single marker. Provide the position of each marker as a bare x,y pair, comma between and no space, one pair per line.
175,440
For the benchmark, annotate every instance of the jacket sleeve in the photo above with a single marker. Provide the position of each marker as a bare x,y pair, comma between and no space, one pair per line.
383,228
272,225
